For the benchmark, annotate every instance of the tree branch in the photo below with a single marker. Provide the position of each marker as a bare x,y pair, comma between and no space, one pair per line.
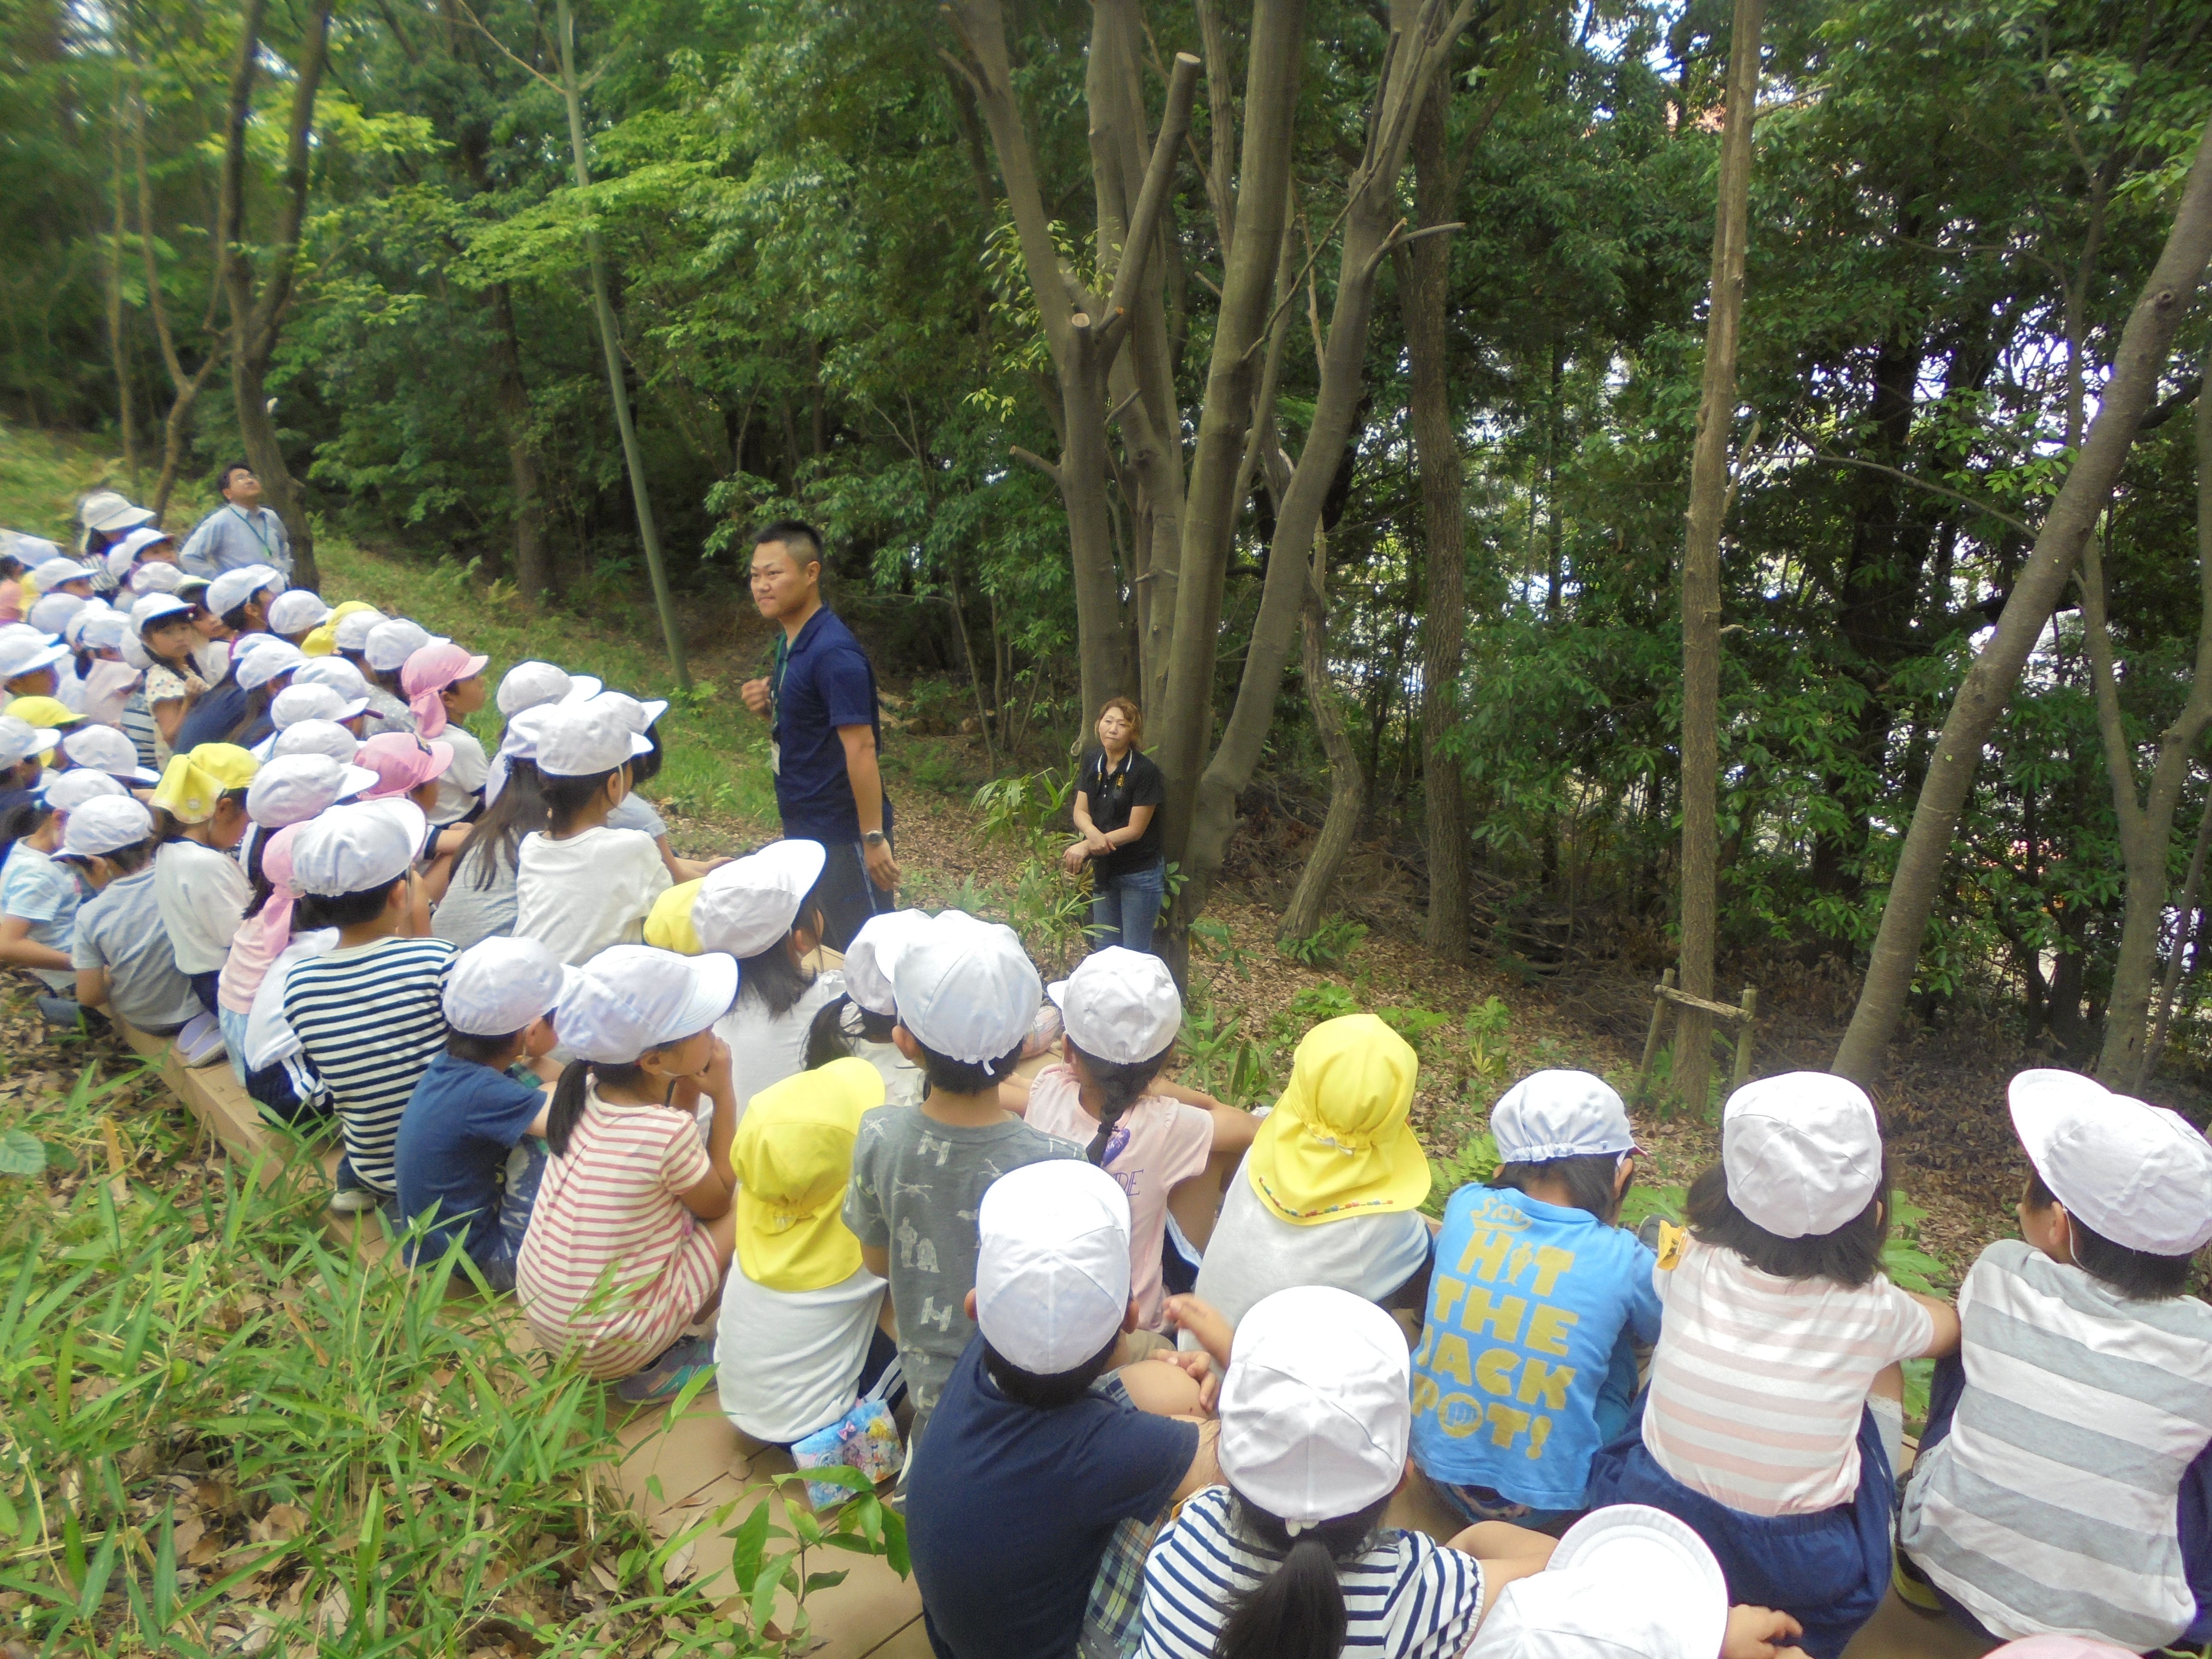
1027,457
1820,454
527,68
1144,219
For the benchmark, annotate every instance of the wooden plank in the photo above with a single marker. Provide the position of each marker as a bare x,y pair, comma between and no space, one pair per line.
1684,1000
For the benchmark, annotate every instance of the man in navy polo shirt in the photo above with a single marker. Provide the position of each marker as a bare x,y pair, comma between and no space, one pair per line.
821,701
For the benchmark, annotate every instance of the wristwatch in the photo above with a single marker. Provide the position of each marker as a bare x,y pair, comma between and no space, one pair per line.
874,838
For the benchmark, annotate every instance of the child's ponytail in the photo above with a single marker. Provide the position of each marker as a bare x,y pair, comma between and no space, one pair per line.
1297,1611
1122,1087
825,1033
568,1108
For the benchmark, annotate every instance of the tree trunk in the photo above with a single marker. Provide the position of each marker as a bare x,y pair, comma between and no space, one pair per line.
1701,564
125,404
1995,670
186,389
1424,288
603,310
533,570
1347,789
2185,937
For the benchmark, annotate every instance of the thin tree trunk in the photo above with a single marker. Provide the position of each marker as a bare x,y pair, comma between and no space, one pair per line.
1701,564
603,310
1347,788
2185,936
1996,671
533,569
125,404
186,389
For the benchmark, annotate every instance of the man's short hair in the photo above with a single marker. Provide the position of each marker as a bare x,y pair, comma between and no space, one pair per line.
222,478
791,532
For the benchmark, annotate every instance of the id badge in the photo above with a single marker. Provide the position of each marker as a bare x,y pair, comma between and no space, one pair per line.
775,757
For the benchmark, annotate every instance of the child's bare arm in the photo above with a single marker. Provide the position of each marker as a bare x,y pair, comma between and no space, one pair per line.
1205,1468
1014,1094
710,1199
1206,1325
1945,1342
92,987
19,949
877,1259
1758,1633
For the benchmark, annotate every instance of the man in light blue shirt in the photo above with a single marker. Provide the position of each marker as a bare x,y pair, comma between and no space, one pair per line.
239,532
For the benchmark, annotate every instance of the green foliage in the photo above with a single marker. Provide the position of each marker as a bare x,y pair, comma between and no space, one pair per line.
1476,1160
1485,1027
1416,1024
1328,945
1312,1003
1220,1058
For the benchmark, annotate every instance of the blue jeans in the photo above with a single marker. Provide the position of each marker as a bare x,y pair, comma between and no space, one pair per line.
1125,908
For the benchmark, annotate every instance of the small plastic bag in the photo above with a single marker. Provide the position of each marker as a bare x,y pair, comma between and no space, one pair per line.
863,1438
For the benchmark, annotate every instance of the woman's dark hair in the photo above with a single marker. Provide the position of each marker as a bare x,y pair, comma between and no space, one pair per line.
496,838
1048,1393
961,1077
1589,1180
2136,1274
343,909
567,1109
1297,1612
1123,1085
484,1050
775,976
1850,1255
567,797
1130,712
837,1024
643,768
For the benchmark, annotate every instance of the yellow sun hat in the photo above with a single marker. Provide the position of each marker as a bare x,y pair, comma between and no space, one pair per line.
1338,1143
194,783
44,714
668,924
793,1158
322,639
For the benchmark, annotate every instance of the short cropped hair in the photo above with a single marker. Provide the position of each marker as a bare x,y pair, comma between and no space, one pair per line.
344,909
961,1077
1046,1393
222,478
791,532
2136,1274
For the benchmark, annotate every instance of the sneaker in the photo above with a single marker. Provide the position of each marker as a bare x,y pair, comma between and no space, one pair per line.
1911,1587
664,1378
200,1043
352,1200
61,1010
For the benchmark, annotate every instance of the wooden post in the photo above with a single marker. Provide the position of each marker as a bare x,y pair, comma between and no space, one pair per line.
1652,1038
1743,1039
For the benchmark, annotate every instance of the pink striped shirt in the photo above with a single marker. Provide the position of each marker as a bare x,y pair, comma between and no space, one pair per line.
1758,1382
610,1209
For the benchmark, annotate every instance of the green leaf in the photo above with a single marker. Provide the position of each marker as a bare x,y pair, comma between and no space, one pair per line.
21,1153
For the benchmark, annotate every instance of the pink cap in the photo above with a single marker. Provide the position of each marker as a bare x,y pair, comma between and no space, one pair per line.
430,671
403,761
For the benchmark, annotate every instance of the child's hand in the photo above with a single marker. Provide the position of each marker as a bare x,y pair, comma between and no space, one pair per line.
1205,1323
1757,1633
715,1079
1197,1366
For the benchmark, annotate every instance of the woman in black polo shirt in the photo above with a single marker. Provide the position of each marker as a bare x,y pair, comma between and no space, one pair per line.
1118,795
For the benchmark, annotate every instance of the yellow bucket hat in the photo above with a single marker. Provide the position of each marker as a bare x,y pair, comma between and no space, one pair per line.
44,714
194,782
668,924
793,1157
322,640
1338,1143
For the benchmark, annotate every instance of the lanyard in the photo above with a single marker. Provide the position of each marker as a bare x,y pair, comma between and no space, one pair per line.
778,663
251,526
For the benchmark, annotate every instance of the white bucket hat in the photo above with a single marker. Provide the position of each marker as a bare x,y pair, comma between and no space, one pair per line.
498,986
354,847
527,685
99,826
1626,1582
966,989
873,957
1560,1114
315,737
104,748
297,610
584,739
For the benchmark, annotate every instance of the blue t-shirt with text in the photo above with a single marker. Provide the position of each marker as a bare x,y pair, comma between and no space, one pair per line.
1527,1355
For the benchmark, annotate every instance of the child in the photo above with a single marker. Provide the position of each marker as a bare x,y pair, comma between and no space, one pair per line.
471,1150
479,898
633,1225
531,685
172,682
241,598
296,613
325,737
336,674
104,749
264,673
634,811
1029,1473
1157,1139
580,886
28,665
200,888
62,575
760,910
444,686
22,743
967,994
1290,1558
2087,1382
368,1014
106,679
1536,1310
801,1340
38,905
117,946
297,702
860,1023
384,652
322,640
1331,1192
1758,1428
281,1079
12,573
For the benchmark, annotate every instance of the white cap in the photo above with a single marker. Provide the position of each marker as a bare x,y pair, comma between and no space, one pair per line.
630,998
1052,1264
150,608
1802,1152
104,748
84,611
873,957
498,986
102,628
353,628
296,610
583,739
640,715
297,702
391,643
126,551
263,663
108,511
1316,1406
1626,1582
104,823
2131,1172
293,788
19,739
527,685
745,906
235,587
1550,1114
55,611
1120,1006
50,574
354,848
965,988
335,673
65,792
26,653
156,576
315,738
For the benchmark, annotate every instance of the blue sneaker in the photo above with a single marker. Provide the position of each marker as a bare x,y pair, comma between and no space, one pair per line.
664,1378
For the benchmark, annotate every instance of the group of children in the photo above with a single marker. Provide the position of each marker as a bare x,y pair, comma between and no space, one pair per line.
1164,1363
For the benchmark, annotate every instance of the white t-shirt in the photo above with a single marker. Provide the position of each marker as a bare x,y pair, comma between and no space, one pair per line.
460,790
787,1362
905,1082
765,1048
269,1036
203,895
578,896
1253,1253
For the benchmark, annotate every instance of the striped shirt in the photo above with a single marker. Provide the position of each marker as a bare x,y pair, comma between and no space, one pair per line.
370,1019
1407,1597
2051,1505
1759,1383
609,1210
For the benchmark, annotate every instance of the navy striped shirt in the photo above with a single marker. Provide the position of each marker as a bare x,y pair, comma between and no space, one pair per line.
371,1018
1407,1597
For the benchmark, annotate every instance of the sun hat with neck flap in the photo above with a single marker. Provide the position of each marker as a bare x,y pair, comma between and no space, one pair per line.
1338,1143
793,1158
322,640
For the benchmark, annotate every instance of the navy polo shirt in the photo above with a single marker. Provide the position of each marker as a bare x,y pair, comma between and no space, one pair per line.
826,683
